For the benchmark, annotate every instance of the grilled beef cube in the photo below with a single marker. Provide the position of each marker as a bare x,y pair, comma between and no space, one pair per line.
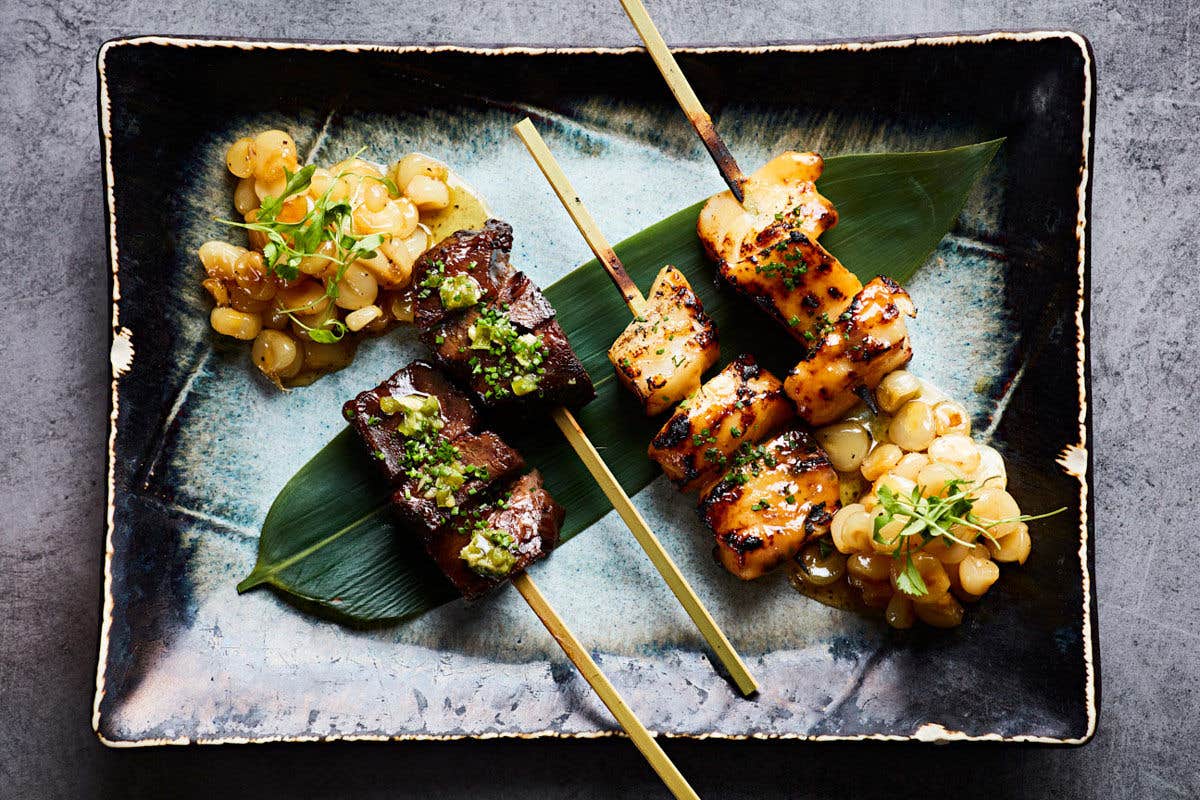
866,343
481,255
664,352
519,353
485,460
526,306
741,403
513,353
774,498
378,429
529,516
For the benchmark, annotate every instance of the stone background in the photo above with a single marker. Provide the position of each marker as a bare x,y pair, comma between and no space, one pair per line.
54,388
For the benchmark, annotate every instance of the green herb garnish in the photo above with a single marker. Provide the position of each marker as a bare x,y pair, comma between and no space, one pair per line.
930,518
290,243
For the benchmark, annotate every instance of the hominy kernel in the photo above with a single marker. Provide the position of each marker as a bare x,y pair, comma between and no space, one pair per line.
1014,547
357,288
429,194
945,613
239,325
240,158
880,460
357,320
846,444
957,450
900,613
950,417
912,428
896,389
976,575
910,465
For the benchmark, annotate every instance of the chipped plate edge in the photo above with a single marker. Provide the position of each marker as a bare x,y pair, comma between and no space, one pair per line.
1077,460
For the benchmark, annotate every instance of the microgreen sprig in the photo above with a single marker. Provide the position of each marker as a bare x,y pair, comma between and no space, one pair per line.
931,517
290,243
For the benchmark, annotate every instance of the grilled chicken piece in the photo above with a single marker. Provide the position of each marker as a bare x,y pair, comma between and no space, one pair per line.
378,430
663,353
528,514
785,185
487,460
520,353
741,403
775,497
768,250
858,350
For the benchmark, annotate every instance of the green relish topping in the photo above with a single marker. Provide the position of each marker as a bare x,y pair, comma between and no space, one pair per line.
430,460
524,384
432,280
459,291
518,369
490,552
421,412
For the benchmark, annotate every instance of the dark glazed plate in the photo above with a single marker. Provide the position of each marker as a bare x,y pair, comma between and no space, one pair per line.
199,445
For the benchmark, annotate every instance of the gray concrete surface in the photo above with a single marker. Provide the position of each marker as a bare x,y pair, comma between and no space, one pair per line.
53,389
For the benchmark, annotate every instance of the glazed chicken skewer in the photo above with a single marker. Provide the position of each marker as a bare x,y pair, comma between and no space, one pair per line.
479,515
651,395
763,236
765,486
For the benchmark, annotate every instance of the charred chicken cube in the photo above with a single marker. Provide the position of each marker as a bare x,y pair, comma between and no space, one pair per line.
865,343
742,403
417,395
774,497
465,268
664,352
495,540
445,476
783,188
767,248
792,278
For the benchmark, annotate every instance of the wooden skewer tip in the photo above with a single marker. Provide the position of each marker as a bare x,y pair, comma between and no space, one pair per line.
686,96
645,742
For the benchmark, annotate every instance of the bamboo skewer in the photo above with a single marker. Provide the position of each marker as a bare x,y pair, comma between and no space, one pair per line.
583,447
684,95
641,738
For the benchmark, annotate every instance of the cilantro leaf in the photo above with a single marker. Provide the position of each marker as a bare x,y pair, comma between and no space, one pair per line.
910,581
329,335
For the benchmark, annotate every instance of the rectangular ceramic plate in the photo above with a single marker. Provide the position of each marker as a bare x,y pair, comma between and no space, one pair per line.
200,444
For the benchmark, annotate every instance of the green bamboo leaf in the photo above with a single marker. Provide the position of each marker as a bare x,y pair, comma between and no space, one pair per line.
328,541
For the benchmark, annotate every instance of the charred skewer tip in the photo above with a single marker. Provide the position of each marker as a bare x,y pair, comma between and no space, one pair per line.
867,397
735,179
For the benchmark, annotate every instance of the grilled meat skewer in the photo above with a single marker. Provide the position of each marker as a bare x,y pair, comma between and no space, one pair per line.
868,340
774,497
459,488
491,327
742,403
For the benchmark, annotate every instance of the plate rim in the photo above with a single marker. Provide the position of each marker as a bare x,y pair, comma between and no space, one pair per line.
1076,460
